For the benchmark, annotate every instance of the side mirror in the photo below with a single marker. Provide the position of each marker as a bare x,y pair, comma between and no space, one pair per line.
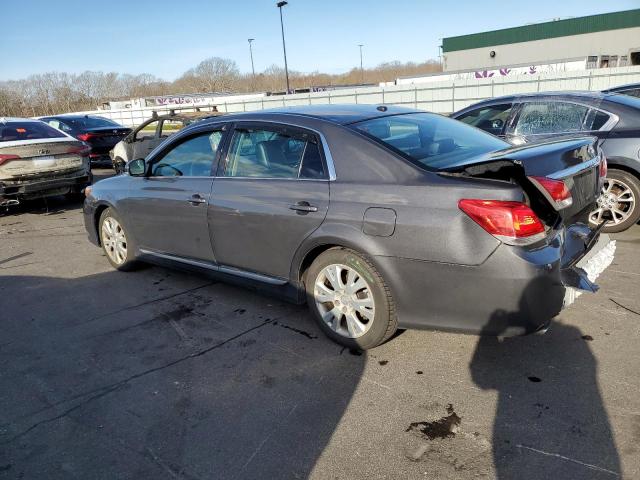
137,167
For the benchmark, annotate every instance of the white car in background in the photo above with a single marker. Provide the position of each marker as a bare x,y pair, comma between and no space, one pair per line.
37,160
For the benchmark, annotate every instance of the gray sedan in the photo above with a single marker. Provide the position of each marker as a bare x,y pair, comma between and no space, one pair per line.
377,217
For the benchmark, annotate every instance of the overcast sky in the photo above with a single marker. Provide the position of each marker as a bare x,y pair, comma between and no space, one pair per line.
165,38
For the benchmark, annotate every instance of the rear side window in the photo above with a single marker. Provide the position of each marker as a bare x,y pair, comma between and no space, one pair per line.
550,117
14,131
596,119
429,140
264,153
491,119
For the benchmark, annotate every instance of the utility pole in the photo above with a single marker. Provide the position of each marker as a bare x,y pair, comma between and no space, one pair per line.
253,70
284,47
361,69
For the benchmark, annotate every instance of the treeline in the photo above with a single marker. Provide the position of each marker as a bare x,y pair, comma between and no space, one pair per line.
54,92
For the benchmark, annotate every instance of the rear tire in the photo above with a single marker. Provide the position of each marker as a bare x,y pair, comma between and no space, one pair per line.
116,242
620,200
350,300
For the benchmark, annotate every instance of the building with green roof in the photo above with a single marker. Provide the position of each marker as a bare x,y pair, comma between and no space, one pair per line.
605,40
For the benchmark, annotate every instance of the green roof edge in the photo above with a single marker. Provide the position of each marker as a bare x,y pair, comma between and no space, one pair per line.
540,31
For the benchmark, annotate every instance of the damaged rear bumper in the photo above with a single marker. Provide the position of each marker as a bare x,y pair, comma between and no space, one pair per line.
42,186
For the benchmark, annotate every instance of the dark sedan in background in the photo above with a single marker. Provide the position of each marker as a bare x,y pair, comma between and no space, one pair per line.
100,133
377,217
632,89
613,118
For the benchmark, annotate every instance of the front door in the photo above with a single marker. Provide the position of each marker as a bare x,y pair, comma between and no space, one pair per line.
168,208
270,194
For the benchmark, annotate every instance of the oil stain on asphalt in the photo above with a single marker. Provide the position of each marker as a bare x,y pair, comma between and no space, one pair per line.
444,427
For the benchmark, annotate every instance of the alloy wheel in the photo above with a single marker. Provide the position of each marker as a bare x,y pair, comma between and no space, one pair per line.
114,240
615,204
345,300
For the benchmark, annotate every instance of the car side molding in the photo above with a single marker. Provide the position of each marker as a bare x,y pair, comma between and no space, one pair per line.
218,268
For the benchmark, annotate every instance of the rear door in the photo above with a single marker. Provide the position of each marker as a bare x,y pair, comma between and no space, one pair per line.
168,208
271,192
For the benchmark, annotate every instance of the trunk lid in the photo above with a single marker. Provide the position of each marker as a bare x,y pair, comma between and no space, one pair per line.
104,136
539,168
44,156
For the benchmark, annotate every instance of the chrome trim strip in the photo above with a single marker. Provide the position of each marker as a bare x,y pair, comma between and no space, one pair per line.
574,170
252,275
218,268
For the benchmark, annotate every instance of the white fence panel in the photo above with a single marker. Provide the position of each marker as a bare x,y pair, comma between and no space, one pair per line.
441,97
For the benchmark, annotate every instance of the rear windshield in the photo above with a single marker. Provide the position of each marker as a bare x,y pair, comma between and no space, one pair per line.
89,122
431,141
11,131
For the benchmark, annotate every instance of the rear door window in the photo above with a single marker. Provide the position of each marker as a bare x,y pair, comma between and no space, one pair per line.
492,118
267,153
545,117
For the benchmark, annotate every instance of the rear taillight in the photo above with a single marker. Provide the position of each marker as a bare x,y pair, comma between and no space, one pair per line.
511,222
556,191
6,158
82,150
603,166
84,136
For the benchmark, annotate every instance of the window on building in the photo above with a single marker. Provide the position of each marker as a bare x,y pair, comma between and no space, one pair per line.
624,61
635,58
604,61
592,61
613,61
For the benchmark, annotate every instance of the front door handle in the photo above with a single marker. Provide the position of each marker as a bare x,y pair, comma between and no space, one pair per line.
197,199
303,207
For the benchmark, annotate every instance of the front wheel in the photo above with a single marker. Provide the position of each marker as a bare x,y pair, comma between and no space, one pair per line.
115,241
618,202
350,300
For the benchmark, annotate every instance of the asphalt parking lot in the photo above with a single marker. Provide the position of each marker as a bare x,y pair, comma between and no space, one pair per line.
161,374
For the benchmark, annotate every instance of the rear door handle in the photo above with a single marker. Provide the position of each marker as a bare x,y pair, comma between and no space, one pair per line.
304,207
197,199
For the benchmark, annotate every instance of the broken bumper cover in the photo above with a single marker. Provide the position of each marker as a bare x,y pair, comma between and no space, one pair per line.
44,186
585,272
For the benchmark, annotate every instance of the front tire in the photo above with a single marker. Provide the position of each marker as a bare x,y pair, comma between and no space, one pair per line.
116,243
350,300
618,203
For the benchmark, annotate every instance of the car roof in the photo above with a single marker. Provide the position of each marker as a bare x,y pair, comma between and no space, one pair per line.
17,119
622,88
73,116
341,114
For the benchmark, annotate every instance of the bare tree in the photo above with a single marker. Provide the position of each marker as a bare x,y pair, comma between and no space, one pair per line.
55,92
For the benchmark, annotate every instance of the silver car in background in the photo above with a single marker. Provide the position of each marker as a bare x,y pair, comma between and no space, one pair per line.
37,160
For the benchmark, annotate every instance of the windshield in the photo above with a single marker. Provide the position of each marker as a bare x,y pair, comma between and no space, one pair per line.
90,122
430,140
12,131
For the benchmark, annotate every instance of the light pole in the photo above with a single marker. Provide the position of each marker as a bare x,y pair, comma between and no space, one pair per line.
361,69
253,70
284,47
